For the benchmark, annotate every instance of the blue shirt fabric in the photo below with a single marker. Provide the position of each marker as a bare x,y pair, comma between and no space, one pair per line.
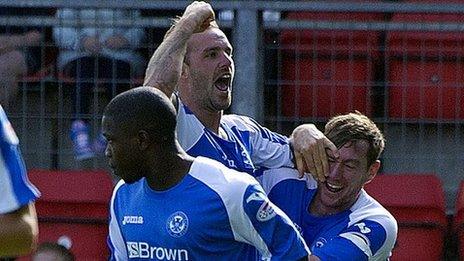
366,231
15,189
214,213
246,147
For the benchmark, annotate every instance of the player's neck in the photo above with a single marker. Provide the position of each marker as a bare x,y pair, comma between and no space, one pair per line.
317,206
210,119
169,171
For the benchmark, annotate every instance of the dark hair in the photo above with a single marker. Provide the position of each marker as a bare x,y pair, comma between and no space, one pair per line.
144,108
62,251
356,126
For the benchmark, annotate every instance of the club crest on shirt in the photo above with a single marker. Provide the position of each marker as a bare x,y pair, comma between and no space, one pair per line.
177,224
265,211
320,242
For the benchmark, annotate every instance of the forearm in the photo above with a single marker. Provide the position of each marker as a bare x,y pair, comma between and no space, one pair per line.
165,66
18,232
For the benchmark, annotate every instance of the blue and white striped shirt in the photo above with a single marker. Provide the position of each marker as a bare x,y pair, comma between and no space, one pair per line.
214,213
365,231
248,145
15,189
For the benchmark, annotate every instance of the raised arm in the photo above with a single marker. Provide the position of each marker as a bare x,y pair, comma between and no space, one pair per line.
165,66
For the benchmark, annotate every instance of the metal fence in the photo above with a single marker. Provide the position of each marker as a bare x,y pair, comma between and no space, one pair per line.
399,62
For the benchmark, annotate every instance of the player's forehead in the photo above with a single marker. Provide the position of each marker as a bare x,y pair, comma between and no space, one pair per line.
108,125
352,150
212,37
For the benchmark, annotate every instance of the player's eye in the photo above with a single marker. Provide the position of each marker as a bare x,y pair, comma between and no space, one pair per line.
212,54
350,166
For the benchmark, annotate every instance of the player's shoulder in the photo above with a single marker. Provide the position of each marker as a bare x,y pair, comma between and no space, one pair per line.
219,177
125,190
118,187
207,170
7,134
367,208
285,176
236,118
241,122
189,129
371,227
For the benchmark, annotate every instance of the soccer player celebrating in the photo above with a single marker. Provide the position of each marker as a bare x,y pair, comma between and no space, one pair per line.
18,220
170,206
338,219
194,67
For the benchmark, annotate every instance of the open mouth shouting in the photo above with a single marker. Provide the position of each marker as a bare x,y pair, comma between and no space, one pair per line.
223,82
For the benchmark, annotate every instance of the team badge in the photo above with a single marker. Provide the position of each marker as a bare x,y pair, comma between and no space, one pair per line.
320,242
177,224
265,212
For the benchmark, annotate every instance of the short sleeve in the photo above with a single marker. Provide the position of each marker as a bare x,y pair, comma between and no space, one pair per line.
271,231
363,240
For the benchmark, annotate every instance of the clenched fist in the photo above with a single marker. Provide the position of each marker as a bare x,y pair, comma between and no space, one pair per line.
198,15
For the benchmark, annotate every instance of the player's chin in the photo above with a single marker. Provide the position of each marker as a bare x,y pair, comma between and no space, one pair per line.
222,104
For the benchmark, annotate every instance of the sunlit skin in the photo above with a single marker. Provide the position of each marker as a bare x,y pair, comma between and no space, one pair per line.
206,82
347,175
195,59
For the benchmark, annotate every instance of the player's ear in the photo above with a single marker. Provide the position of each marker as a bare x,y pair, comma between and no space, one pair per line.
372,172
143,139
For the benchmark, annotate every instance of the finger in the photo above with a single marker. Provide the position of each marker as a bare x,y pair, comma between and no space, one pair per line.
329,145
309,161
299,164
212,16
204,25
323,159
318,167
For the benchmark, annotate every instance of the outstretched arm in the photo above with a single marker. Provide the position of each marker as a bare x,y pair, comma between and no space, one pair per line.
165,66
